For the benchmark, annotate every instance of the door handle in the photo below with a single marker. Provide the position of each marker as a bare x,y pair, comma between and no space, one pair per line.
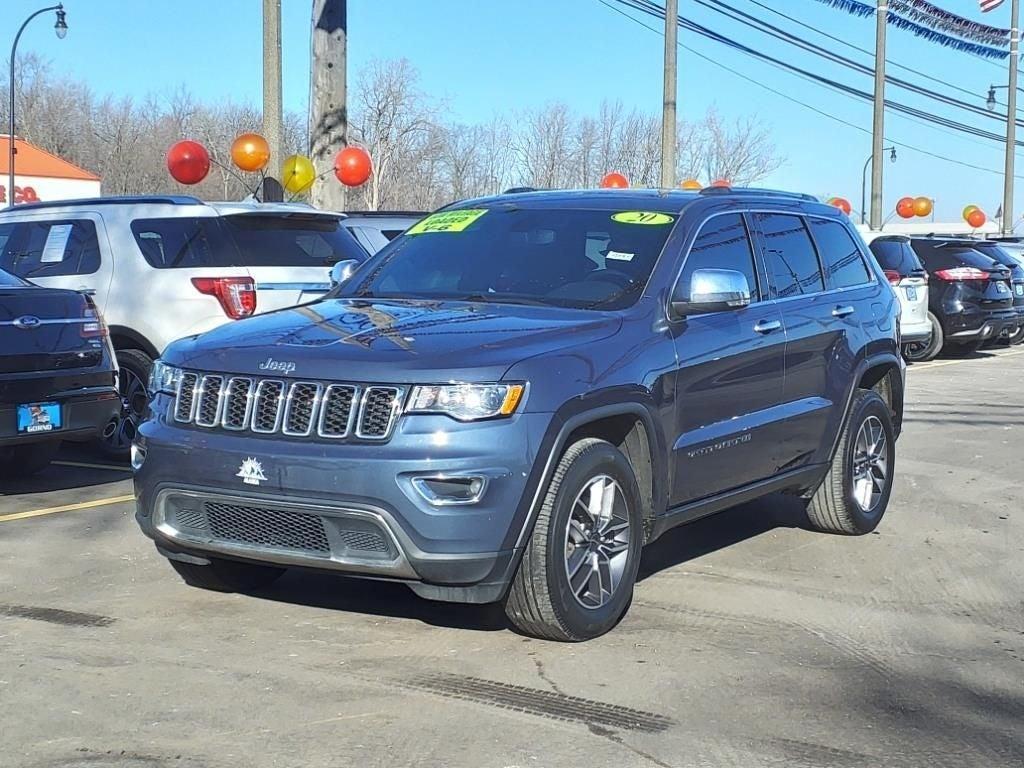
842,311
767,326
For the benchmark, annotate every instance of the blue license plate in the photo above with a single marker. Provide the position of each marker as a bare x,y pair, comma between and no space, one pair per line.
38,417
911,293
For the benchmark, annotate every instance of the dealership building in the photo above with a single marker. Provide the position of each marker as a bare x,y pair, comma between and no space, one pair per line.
40,175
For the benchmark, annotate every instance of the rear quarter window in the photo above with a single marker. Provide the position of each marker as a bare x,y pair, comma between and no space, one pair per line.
840,254
896,255
32,249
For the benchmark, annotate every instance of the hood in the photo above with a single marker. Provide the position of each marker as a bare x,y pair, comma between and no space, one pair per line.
389,340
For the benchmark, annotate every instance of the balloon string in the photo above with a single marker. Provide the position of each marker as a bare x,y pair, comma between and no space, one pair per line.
233,173
315,179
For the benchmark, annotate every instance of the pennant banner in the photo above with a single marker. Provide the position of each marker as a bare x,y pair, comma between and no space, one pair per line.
930,33
938,19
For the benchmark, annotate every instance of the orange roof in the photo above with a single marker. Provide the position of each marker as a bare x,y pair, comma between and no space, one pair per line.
34,161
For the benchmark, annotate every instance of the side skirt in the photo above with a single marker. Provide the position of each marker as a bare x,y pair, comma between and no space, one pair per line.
795,480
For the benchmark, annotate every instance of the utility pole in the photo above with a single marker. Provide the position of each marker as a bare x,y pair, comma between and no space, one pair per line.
1011,119
668,109
878,124
273,119
328,107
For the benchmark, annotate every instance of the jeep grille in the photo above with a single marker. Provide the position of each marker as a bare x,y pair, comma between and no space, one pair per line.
294,409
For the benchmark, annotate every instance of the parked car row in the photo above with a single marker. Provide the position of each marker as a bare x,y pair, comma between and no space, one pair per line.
160,268
956,293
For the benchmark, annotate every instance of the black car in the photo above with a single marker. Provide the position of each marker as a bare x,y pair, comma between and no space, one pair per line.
969,292
58,379
1004,257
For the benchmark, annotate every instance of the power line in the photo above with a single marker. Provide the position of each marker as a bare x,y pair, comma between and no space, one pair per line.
810,107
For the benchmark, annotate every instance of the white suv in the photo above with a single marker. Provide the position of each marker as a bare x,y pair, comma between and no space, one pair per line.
165,267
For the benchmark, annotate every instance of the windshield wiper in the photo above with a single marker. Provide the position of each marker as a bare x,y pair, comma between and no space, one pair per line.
637,286
497,298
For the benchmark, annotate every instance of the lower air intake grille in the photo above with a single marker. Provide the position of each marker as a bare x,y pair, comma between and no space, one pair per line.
274,528
364,541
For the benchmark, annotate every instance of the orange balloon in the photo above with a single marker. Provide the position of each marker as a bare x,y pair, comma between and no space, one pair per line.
250,152
353,166
922,206
842,204
905,208
977,218
614,180
691,184
721,183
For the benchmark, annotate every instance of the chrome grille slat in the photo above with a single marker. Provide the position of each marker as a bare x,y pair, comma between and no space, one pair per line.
337,410
300,408
237,403
209,398
291,408
185,398
267,406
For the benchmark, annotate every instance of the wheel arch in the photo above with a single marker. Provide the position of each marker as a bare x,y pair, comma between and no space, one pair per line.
123,337
884,374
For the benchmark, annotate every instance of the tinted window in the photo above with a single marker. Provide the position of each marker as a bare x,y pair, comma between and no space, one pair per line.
840,254
896,255
723,243
561,257
247,240
792,260
8,280
49,248
940,255
1000,255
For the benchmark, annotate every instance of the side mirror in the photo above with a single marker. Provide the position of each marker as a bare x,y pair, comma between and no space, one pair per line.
711,290
342,271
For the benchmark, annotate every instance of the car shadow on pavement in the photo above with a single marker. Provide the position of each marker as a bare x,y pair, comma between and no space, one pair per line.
729,527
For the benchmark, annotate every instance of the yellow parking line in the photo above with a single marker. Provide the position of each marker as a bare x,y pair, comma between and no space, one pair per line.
67,508
929,366
87,465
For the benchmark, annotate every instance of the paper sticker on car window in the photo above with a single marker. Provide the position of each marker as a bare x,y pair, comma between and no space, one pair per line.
447,221
56,243
619,256
642,217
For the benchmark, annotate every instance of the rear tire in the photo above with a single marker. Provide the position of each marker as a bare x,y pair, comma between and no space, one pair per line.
135,365
588,536
854,494
923,352
227,575
25,460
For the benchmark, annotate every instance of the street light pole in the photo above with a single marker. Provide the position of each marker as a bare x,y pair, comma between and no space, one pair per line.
878,122
1011,119
668,109
61,29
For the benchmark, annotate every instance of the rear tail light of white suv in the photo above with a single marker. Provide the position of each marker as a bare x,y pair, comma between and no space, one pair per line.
237,295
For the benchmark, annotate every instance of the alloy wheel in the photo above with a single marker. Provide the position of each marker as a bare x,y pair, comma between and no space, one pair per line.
870,464
597,539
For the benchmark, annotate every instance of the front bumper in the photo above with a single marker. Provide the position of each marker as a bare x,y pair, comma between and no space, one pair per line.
84,414
362,513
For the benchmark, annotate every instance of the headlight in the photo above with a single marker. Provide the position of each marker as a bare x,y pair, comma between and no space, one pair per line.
467,402
163,378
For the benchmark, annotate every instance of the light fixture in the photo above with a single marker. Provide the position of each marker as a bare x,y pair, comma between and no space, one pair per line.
61,27
990,102
892,155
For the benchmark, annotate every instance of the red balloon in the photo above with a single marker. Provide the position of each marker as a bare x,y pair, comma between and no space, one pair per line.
614,180
188,162
905,208
721,183
352,166
977,218
842,204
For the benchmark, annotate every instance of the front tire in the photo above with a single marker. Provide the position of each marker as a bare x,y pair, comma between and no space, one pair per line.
227,575
854,494
575,581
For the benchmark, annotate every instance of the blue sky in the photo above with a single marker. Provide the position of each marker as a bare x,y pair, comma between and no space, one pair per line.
484,57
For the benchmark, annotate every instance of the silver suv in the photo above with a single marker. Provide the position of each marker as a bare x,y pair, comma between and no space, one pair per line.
161,268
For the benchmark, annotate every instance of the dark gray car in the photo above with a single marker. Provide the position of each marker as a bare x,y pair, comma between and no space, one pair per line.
514,397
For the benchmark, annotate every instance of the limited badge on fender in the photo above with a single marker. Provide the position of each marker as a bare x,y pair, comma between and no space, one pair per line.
251,472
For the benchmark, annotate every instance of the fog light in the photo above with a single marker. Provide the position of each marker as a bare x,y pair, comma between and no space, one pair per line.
138,457
450,490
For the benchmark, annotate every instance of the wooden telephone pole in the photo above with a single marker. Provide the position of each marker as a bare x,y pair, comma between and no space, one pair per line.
328,107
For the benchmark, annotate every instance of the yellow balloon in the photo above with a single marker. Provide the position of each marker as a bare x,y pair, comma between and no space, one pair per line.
297,174
969,210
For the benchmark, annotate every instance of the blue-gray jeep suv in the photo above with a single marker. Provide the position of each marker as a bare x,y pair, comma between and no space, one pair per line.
511,399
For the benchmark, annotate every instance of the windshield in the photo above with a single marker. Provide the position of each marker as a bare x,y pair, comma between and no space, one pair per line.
556,257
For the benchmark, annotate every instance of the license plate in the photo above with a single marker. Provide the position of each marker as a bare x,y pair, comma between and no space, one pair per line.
38,417
911,293
1002,288
1019,289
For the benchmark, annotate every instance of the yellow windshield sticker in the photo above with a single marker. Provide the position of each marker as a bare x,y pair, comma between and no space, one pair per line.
642,217
447,221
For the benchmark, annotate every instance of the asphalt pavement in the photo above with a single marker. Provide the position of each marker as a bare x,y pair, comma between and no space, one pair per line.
750,642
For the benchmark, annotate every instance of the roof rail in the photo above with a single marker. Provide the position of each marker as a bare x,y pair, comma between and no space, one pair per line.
112,200
517,190
757,191
385,213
